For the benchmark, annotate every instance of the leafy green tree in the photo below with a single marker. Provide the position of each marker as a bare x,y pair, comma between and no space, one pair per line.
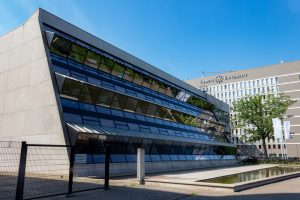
254,115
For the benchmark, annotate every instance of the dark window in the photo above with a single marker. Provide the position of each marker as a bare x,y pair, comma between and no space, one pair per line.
77,53
151,109
85,95
155,85
92,59
105,98
274,146
160,112
118,101
130,104
147,81
106,64
142,107
162,88
118,70
269,146
71,89
60,46
138,78
128,74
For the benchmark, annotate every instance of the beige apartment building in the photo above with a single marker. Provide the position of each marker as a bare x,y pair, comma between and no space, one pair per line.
278,78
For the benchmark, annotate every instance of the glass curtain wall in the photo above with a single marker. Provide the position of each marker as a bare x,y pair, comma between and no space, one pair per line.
104,63
88,93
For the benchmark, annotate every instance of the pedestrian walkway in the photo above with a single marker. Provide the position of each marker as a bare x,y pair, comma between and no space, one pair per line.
128,189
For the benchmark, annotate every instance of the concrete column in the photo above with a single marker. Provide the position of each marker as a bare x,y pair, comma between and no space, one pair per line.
141,165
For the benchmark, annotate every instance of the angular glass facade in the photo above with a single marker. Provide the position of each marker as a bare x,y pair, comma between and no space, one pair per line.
101,92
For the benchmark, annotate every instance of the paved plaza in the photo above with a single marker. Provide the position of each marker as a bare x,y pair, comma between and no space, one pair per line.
286,190
126,188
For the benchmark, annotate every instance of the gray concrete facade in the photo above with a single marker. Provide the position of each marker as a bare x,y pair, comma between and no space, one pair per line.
28,107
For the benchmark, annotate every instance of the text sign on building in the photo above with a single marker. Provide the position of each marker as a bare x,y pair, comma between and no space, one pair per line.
220,79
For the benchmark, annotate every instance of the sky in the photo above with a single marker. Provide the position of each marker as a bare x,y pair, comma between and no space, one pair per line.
182,37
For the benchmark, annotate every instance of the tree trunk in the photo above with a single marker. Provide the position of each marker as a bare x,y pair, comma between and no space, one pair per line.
265,147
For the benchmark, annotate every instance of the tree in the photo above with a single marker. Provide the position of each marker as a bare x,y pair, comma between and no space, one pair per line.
254,115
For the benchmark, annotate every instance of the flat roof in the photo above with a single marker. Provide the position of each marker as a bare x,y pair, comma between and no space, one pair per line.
280,69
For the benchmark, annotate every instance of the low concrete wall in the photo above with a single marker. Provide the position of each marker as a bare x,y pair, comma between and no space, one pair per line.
121,169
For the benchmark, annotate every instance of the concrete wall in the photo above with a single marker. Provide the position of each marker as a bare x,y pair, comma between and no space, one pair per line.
28,109
120,169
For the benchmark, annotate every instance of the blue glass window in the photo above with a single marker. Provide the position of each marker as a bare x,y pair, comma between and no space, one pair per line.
165,157
147,158
145,128
87,106
150,119
69,103
130,157
155,158
72,118
108,85
130,92
121,125
181,157
174,157
171,132
163,131
174,124
140,117
75,64
129,115
120,89
90,120
158,101
103,110
61,70
159,121
117,158
140,95
154,129
178,133
189,157
117,113
89,159
134,127
94,81
99,158
78,76
107,123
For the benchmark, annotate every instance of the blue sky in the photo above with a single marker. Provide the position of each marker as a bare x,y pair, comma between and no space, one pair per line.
182,37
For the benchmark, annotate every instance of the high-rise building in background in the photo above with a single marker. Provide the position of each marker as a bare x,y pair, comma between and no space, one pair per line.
274,79
62,85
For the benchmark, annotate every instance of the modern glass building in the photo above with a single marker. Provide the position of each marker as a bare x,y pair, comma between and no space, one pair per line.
101,95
